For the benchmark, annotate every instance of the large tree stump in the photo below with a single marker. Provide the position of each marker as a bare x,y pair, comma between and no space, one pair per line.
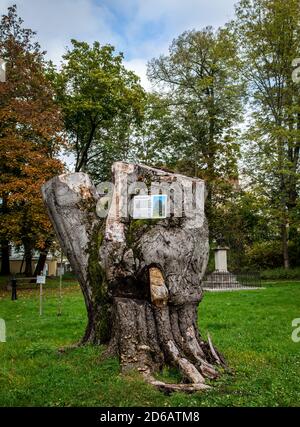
141,278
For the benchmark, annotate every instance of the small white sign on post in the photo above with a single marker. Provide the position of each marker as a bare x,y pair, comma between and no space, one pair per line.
60,271
150,207
2,71
40,280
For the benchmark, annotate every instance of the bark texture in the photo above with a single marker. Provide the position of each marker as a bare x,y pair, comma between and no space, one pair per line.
141,278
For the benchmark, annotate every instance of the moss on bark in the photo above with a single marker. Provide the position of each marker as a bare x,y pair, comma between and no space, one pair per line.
101,305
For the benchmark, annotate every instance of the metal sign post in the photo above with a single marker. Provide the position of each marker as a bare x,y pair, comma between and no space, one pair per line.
60,282
13,288
41,299
41,280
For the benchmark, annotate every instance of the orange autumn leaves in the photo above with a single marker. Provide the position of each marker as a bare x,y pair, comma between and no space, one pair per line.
30,138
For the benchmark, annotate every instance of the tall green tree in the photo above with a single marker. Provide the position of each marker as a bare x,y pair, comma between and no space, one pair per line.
101,100
155,142
200,84
269,37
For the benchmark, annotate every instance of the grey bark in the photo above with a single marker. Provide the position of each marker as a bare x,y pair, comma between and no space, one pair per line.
141,279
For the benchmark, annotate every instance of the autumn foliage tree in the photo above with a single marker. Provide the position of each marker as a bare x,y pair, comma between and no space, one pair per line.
30,136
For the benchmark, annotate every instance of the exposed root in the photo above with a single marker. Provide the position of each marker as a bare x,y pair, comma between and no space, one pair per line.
190,343
170,349
70,347
170,388
218,357
149,337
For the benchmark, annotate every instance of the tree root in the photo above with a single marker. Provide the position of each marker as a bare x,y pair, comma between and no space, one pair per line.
149,337
170,388
70,347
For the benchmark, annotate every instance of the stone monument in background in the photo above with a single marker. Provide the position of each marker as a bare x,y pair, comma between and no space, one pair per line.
221,278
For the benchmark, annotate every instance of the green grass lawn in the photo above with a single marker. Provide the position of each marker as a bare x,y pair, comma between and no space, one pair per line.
252,329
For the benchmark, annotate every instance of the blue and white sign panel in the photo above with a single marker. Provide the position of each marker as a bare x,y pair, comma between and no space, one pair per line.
150,207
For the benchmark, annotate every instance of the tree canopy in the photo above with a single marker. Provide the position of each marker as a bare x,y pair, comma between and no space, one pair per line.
226,108
101,101
30,137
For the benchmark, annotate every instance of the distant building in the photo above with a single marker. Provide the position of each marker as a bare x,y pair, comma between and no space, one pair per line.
17,262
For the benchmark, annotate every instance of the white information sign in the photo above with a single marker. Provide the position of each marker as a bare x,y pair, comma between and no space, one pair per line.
60,271
152,207
2,71
41,280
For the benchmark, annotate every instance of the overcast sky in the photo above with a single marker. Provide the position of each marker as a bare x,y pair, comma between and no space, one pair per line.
141,29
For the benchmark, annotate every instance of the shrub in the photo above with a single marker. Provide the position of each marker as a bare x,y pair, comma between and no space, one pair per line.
280,273
264,255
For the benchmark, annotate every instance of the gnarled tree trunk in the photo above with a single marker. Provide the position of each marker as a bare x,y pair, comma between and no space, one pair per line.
141,278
